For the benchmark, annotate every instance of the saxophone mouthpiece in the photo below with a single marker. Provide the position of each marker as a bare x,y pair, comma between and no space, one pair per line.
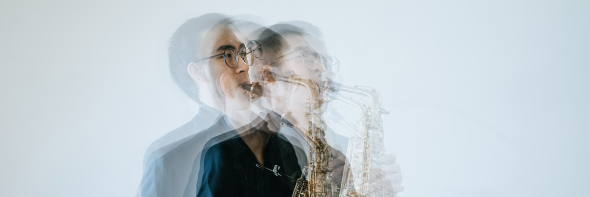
254,89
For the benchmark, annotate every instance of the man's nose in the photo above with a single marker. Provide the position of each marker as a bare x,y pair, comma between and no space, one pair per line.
241,67
316,67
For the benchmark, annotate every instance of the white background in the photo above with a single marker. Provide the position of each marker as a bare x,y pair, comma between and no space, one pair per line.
488,98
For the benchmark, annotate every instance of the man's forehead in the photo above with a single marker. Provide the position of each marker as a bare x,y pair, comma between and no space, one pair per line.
317,44
299,42
295,41
219,37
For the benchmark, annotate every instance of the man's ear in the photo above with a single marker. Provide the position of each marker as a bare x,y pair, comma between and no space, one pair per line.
197,72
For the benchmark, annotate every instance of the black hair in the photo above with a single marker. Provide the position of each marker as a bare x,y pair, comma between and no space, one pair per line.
273,37
185,47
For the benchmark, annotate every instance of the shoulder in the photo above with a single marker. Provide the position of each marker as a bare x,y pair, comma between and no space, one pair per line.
288,144
173,143
218,160
185,141
283,141
220,151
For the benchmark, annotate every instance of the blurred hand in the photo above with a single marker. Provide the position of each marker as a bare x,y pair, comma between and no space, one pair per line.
336,164
386,181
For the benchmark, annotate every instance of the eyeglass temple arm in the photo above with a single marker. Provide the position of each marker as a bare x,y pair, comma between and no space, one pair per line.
211,56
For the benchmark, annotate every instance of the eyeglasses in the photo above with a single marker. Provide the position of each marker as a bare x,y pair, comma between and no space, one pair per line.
312,60
332,64
248,54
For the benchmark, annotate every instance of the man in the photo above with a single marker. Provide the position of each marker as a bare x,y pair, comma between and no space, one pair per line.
295,49
254,161
209,62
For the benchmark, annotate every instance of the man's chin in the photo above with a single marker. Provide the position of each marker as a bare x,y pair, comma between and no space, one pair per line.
242,101
243,107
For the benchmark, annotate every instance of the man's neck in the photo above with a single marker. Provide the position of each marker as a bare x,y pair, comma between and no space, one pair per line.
239,120
256,141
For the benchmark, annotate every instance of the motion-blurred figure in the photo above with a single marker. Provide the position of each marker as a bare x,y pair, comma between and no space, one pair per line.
295,49
209,61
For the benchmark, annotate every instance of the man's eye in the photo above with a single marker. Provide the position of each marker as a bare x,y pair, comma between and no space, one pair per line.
228,55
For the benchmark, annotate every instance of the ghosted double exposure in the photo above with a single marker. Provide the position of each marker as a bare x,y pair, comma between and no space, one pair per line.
264,127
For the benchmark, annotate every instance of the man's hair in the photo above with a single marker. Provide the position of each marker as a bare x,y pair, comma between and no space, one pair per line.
302,26
273,45
273,38
185,47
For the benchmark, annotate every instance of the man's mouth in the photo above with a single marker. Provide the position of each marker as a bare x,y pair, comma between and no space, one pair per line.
242,84
245,86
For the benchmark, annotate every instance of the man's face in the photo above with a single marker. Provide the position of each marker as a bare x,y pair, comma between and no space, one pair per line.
293,97
228,80
296,65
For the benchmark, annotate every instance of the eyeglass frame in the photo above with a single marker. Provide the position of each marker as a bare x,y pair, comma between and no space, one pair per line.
241,54
319,56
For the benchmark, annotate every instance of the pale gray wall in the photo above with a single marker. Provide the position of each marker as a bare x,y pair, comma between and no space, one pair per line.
488,98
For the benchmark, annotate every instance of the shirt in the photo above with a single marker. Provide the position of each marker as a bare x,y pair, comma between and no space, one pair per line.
230,169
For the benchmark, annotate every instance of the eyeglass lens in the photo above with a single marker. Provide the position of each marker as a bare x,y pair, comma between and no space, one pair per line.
311,60
256,49
230,58
253,50
332,64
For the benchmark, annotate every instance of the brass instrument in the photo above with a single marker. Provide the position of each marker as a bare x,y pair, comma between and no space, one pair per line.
318,181
356,169
365,147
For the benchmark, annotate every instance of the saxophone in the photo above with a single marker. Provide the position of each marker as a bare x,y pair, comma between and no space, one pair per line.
356,170
315,181
365,148
366,145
